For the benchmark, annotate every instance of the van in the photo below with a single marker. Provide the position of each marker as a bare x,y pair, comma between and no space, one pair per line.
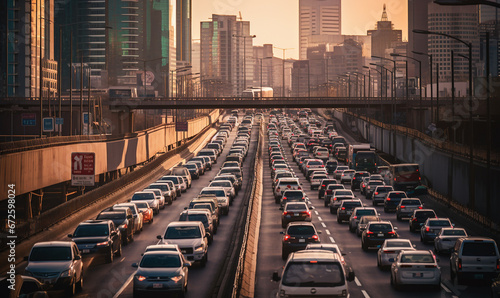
314,272
474,258
184,173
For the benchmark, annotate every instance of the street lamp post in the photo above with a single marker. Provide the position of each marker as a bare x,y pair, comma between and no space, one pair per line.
283,88
430,77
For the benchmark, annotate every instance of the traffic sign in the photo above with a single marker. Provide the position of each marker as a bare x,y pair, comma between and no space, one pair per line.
29,119
59,121
181,126
82,168
48,124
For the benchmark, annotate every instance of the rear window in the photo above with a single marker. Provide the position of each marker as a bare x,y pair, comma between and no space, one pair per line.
343,193
295,207
439,223
410,202
365,212
301,230
381,227
420,258
454,232
398,244
313,274
292,194
485,249
351,204
425,214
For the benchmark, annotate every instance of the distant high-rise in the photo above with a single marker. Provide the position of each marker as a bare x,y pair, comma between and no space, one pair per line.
384,35
489,19
417,19
319,23
226,55
184,30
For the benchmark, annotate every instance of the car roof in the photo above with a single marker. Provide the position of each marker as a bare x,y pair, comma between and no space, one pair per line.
184,224
53,243
162,252
314,254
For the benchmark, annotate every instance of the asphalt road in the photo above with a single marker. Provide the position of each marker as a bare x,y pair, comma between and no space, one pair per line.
370,281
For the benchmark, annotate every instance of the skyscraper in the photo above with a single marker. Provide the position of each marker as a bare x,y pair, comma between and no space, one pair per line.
184,30
384,35
319,23
417,19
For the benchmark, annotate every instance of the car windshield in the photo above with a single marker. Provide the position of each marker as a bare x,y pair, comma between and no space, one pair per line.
160,261
221,183
439,223
142,196
398,244
141,205
301,230
454,232
112,215
50,253
485,249
91,231
313,274
182,233
380,228
417,258
218,193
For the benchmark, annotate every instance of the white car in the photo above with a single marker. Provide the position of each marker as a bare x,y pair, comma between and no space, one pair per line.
415,267
446,239
338,172
346,176
390,250
316,179
222,197
321,153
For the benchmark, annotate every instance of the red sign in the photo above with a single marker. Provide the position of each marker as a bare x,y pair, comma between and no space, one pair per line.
82,168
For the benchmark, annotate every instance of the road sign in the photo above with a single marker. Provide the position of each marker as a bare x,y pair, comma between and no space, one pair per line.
181,126
82,168
59,121
29,119
48,124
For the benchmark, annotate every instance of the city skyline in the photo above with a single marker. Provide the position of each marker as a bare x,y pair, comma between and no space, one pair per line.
285,32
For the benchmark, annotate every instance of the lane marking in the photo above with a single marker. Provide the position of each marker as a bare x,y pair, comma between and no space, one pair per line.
445,288
356,280
122,259
327,232
320,219
323,224
316,212
129,279
365,294
332,240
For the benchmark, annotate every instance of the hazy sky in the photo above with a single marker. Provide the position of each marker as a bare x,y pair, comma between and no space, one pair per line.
276,21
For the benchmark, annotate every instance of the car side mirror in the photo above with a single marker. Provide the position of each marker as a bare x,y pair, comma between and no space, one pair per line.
78,257
135,265
282,232
276,276
319,232
158,237
70,235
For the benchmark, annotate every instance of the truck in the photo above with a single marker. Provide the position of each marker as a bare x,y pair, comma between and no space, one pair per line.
257,92
406,177
362,158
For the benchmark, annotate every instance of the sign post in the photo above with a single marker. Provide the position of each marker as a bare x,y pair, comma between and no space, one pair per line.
82,168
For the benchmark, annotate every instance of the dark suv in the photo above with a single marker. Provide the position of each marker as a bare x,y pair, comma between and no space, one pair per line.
331,166
324,184
346,207
418,218
297,236
99,237
392,200
123,219
356,180
376,233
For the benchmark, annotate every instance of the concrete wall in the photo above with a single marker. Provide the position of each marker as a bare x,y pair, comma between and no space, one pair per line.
35,169
447,174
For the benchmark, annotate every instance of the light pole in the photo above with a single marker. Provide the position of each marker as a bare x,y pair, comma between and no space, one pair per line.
430,77
393,72
244,56
283,88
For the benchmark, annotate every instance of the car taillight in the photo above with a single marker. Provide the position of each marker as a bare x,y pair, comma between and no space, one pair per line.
309,214
402,207
300,188
414,219
392,233
286,238
394,179
353,178
315,237
369,232
460,264
420,207
427,229
323,185
369,187
343,208
355,217
335,199
102,243
388,199
498,264
285,212
303,198
376,193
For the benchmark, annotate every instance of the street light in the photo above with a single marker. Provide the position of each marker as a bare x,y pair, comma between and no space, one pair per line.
244,56
283,88
393,73
471,132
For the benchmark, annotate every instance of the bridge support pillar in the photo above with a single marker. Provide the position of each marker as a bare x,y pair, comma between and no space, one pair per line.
130,122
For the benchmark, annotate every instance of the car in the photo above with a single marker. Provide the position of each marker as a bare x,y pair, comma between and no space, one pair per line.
137,215
236,171
321,153
166,192
363,222
338,196
149,197
322,187
416,267
123,219
221,195
317,178
390,249
380,193
171,185
370,187
330,189
282,174
200,164
475,258
432,227
98,238
227,185
314,271
446,239
333,247
418,218
347,176
376,233
193,169
147,212
56,264
358,213
294,211
210,153
180,185
200,203
228,164
203,215
407,206
293,196
392,200
285,184
297,236
161,271
227,177
345,209
191,238
25,286
357,178
331,166
338,172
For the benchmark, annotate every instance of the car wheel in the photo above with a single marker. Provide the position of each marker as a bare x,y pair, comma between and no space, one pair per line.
135,294
79,285
71,289
339,220
364,246
326,203
398,217
331,210
109,258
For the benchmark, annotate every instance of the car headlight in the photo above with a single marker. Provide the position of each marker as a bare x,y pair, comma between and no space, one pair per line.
198,248
176,278
66,273
140,277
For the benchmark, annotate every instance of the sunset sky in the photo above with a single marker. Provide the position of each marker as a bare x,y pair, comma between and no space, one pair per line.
276,21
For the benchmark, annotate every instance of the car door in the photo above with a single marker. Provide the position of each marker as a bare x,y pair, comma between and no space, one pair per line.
78,263
114,235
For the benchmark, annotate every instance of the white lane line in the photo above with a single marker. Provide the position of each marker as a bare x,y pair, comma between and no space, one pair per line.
320,219
356,280
332,240
316,212
129,279
365,294
327,232
323,224
123,259
445,288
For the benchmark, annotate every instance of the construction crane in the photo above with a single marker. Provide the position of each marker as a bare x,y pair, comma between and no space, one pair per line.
240,17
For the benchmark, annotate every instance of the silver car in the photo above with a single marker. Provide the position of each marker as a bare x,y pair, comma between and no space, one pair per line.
416,267
161,271
446,239
390,250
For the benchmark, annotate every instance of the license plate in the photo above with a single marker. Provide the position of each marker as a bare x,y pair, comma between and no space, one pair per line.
302,240
478,276
85,251
157,286
380,235
420,274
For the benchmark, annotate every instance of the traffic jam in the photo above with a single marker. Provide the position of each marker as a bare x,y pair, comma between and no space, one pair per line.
163,268
376,203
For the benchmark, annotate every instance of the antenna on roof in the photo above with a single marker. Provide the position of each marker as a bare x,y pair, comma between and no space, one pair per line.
384,15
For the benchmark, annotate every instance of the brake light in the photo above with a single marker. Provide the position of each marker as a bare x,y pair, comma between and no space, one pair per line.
323,185
355,217
498,264
415,219
369,232
394,179
335,198
343,208
303,198
427,229
460,264
286,238
313,262
376,193
353,178
388,199
284,198
420,207
300,188
402,207
315,237
102,243
392,233
285,212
